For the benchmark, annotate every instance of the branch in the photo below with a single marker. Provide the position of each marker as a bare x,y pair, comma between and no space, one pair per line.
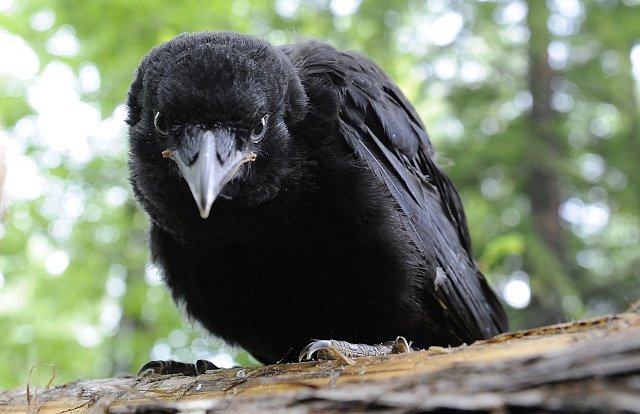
587,366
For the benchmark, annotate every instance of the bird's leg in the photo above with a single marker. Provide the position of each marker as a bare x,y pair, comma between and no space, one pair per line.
346,351
174,367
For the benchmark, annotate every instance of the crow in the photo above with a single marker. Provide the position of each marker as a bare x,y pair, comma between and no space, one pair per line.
320,211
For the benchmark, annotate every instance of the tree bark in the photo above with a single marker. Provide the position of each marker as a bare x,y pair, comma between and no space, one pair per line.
588,366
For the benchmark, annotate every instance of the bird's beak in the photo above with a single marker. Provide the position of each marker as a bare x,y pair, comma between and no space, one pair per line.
213,164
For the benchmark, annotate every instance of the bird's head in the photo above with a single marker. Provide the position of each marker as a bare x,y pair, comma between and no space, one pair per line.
211,112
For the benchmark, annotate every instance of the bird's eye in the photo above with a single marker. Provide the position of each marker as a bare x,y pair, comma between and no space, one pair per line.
160,123
259,130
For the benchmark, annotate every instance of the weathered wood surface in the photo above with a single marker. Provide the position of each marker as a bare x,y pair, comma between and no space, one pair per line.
588,366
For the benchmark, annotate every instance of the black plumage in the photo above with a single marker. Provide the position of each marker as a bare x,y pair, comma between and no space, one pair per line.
329,217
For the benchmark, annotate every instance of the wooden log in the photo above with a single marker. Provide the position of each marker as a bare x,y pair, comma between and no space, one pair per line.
586,366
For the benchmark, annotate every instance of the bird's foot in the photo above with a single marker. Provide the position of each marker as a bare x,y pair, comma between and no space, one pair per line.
174,367
346,351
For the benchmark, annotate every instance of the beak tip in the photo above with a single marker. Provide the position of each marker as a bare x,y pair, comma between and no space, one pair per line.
205,208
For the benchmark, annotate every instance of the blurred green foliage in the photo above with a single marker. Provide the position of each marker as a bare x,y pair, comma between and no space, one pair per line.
77,297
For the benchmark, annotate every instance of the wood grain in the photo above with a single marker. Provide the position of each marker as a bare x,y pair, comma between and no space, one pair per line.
585,366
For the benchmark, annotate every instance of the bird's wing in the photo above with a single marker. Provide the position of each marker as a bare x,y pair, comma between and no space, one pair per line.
382,127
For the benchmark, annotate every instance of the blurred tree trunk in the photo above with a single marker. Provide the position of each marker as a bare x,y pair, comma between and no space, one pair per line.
621,91
2,174
542,161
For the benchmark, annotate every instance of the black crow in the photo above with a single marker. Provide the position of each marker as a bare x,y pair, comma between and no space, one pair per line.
320,211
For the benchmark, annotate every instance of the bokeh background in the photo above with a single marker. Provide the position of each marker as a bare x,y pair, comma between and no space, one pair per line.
533,107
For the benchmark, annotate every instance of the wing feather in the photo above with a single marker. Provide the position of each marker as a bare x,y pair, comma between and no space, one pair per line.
380,125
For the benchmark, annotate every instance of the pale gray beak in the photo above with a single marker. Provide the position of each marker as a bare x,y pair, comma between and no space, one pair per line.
211,167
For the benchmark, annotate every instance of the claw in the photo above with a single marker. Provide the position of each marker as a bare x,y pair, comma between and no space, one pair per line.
203,365
400,346
315,346
345,351
326,349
